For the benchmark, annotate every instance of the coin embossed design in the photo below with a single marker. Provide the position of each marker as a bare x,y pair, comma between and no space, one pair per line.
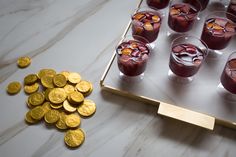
87,108
29,89
36,98
46,72
74,78
23,62
13,87
69,89
83,86
29,119
75,97
37,113
61,124
47,81
68,107
52,116
72,120
59,80
74,138
57,95
30,79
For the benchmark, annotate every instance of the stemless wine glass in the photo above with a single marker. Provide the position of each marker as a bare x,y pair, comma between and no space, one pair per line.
217,32
228,78
132,57
146,24
182,15
232,10
187,55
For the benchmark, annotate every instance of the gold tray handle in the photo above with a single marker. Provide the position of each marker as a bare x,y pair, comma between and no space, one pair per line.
187,116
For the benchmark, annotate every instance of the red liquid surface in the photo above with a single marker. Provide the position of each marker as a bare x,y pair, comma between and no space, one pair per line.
232,10
228,77
186,59
217,33
182,17
146,24
132,57
158,4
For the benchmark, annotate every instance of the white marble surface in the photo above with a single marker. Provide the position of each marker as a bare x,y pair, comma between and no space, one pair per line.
80,35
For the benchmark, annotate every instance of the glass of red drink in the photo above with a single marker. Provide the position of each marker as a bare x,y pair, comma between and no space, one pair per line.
146,24
182,15
132,57
157,4
227,87
228,76
232,10
217,32
187,55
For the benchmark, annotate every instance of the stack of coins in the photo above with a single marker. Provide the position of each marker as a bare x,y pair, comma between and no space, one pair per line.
61,101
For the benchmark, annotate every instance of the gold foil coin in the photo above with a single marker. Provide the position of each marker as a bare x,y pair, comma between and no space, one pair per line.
66,74
23,62
30,79
52,116
13,87
46,72
75,97
29,119
83,86
57,95
29,89
69,89
47,81
59,80
72,120
56,106
36,98
61,124
46,106
68,107
87,108
74,138
46,92
74,78
37,113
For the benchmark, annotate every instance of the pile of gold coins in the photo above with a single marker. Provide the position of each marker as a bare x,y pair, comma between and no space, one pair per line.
59,100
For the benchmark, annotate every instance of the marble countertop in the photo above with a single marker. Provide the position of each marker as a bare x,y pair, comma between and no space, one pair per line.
80,35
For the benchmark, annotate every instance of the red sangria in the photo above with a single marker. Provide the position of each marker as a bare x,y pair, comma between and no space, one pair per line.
182,16
217,31
146,24
187,55
228,76
232,10
157,4
132,57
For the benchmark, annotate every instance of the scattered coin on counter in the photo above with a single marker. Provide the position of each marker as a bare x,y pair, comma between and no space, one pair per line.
13,87
23,62
59,99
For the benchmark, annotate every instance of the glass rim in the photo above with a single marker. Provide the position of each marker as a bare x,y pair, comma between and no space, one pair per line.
228,59
131,38
194,37
146,8
198,10
220,11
